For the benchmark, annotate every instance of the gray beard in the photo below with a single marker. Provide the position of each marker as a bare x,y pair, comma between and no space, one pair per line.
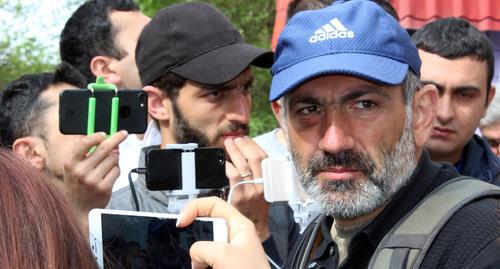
350,199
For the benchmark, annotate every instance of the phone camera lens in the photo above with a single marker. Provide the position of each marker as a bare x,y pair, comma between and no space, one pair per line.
142,97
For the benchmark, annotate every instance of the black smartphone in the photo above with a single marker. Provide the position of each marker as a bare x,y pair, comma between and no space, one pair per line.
164,169
132,111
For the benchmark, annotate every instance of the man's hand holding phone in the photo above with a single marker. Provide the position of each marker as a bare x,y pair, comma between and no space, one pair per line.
89,178
246,158
244,249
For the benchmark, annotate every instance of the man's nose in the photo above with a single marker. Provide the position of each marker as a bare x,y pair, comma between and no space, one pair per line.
337,136
445,110
240,106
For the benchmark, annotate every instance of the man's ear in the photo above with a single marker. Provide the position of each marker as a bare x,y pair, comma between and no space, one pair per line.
103,66
159,106
491,95
277,111
31,149
425,103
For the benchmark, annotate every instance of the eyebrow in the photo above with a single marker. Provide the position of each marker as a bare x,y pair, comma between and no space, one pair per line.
460,88
353,94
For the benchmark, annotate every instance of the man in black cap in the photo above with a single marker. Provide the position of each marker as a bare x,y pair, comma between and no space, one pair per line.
195,67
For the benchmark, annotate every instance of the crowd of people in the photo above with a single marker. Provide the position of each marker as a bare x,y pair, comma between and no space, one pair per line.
379,125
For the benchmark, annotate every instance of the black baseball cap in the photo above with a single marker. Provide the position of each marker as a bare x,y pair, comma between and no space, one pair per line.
195,41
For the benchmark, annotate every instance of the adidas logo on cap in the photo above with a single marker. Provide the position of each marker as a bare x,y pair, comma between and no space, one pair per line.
332,30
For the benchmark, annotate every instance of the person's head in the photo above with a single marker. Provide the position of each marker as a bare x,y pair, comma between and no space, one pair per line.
296,6
39,230
301,5
352,108
99,39
490,125
29,119
458,59
195,67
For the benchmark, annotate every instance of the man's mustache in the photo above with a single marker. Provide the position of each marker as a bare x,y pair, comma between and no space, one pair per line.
345,158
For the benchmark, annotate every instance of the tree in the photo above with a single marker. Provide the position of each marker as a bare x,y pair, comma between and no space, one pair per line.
255,21
19,54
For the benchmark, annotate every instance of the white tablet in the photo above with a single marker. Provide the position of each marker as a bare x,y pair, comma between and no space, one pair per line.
131,239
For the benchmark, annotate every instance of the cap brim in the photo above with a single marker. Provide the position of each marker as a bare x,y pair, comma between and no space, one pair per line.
223,64
366,66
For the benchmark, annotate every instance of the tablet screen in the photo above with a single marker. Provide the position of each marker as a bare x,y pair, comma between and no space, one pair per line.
149,242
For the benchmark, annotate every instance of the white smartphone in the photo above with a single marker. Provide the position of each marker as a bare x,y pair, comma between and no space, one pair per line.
280,182
131,239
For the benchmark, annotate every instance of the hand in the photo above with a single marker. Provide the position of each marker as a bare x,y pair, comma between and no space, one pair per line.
246,158
244,249
89,178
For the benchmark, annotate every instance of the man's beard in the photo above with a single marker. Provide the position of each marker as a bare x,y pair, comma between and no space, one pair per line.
186,133
348,199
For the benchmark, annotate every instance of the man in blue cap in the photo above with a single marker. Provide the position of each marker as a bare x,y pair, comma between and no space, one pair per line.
357,118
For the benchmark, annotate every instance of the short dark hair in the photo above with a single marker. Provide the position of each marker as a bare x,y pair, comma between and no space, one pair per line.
453,38
89,33
21,108
300,5
170,84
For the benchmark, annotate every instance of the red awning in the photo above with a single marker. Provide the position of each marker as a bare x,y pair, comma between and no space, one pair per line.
280,20
484,14
413,14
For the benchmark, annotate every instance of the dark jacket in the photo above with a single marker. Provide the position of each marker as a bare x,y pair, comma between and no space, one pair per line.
468,240
479,161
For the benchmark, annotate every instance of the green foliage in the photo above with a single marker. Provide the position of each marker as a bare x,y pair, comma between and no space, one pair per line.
19,55
22,58
255,21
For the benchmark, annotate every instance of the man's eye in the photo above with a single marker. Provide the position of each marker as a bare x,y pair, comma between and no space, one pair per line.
365,104
216,93
309,110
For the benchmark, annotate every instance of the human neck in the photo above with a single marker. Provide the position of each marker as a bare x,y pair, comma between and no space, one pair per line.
167,137
347,224
453,157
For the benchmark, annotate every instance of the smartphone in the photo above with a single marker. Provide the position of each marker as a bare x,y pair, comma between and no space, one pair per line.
132,111
131,239
165,169
280,182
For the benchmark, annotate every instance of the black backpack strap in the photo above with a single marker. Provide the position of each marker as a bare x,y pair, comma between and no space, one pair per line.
299,255
408,241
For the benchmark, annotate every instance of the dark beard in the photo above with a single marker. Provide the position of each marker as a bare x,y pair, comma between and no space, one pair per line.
185,133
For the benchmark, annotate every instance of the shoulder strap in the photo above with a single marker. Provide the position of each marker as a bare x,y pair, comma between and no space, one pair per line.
408,241
299,256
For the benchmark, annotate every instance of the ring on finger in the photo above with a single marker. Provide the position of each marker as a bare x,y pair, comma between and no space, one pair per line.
246,174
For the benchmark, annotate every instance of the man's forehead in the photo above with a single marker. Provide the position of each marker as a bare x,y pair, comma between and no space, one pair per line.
338,84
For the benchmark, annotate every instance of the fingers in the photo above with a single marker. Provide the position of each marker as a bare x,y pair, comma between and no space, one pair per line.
246,157
216,208
105,148
200,258
86,143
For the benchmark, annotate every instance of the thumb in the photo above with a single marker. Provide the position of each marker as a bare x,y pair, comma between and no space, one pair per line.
201,258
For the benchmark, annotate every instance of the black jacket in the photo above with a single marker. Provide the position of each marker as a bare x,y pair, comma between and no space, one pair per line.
479,161
470,239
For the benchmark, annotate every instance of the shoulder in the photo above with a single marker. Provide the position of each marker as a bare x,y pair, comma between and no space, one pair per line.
468,234
121,199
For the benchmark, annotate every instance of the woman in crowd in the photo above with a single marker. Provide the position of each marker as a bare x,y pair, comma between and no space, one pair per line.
37,227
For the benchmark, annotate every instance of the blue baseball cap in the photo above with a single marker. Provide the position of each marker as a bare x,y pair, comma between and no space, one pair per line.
354,37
